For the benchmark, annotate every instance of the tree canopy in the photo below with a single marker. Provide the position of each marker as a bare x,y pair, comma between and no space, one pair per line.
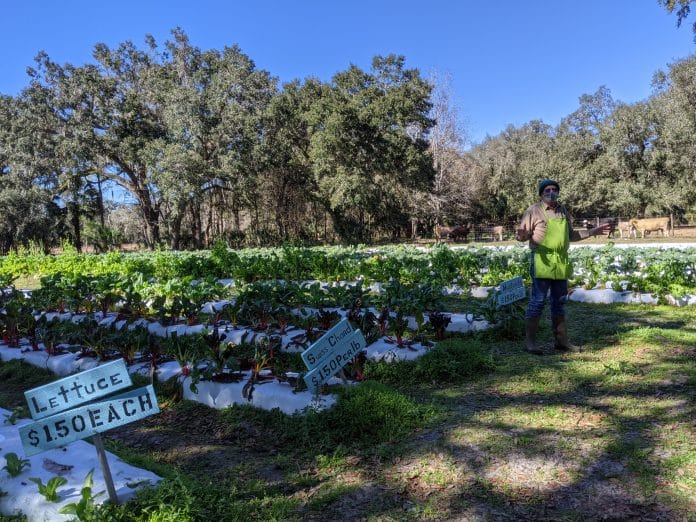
209,147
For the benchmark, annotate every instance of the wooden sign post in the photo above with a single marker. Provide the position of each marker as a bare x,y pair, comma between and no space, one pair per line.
331,352
59,418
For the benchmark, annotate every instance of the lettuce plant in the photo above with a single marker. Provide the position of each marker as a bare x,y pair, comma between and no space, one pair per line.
14,465
85,507
50,489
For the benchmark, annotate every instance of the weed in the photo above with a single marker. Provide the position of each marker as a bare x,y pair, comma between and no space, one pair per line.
16,414
451,361
622,368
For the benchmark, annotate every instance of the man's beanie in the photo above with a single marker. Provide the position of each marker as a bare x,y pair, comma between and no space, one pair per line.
545,183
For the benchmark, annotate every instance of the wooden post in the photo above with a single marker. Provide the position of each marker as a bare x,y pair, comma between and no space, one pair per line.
97,440
671,224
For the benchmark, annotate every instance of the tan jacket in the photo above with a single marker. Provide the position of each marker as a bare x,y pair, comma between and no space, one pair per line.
534,221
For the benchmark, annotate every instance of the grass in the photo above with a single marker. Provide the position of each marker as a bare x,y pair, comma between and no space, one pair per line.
607,433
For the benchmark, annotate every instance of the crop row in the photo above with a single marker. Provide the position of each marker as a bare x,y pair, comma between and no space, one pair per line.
655,270
260,329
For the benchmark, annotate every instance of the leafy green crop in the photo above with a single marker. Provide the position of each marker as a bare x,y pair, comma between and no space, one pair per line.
15,465
84,509
50,489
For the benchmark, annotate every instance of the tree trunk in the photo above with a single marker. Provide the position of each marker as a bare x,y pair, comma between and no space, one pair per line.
75,222
151,217
196,224
100,202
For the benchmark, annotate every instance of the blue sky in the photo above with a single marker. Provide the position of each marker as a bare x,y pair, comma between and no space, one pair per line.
510,61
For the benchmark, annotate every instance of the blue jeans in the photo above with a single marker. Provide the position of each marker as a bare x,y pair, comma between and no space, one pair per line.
540,289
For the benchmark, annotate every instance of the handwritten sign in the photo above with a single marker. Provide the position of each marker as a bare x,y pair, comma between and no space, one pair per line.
84,421
340,354
511,283
322,348
77,389
510,291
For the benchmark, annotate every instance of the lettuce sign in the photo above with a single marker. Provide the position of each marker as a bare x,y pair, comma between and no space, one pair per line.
336,348
65,410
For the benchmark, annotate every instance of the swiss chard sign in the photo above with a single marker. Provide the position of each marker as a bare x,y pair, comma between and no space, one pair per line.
510,291
321,349
331,352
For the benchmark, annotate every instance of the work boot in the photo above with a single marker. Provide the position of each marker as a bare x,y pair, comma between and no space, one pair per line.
560,335
532,327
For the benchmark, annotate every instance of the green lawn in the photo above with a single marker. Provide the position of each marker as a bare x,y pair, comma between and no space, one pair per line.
608,433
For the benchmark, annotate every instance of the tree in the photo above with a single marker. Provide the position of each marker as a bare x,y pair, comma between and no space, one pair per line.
161,123
510,166
582,156
683,8
453,184
286,188
110,118
212,104
367,140
29,212
674,103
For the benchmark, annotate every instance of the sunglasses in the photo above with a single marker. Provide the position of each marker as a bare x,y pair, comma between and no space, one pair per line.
548,190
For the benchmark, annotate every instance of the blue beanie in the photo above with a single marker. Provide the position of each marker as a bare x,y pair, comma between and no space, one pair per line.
545,183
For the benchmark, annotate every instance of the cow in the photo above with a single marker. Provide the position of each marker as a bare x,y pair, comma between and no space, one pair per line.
627,228
496,231
454,233
592,223
651,225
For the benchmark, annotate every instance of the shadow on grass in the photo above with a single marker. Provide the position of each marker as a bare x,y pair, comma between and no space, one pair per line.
625,468
506,454
607,434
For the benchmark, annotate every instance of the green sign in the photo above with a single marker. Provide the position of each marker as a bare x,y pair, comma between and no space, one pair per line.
77,389
341,353
511,283
323,347
510,291
84,421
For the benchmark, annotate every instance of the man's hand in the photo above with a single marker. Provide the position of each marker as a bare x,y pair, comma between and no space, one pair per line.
601,229
522,234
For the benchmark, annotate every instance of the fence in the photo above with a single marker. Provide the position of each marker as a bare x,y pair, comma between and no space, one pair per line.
496,232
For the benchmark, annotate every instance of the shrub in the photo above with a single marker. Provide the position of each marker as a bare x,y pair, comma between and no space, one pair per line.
451,361
366,415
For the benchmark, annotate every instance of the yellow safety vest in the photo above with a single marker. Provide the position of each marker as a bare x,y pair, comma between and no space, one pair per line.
551,260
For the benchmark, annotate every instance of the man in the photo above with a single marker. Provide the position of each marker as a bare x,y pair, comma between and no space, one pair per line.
546,225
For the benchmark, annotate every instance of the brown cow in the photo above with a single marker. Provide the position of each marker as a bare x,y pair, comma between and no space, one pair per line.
495,231
627,228
592,223
454,233
651,225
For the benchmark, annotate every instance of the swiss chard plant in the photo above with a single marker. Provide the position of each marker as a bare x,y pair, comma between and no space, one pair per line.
187,350
263,358
439,322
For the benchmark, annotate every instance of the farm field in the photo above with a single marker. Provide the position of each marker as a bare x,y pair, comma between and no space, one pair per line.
607,430
474,429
